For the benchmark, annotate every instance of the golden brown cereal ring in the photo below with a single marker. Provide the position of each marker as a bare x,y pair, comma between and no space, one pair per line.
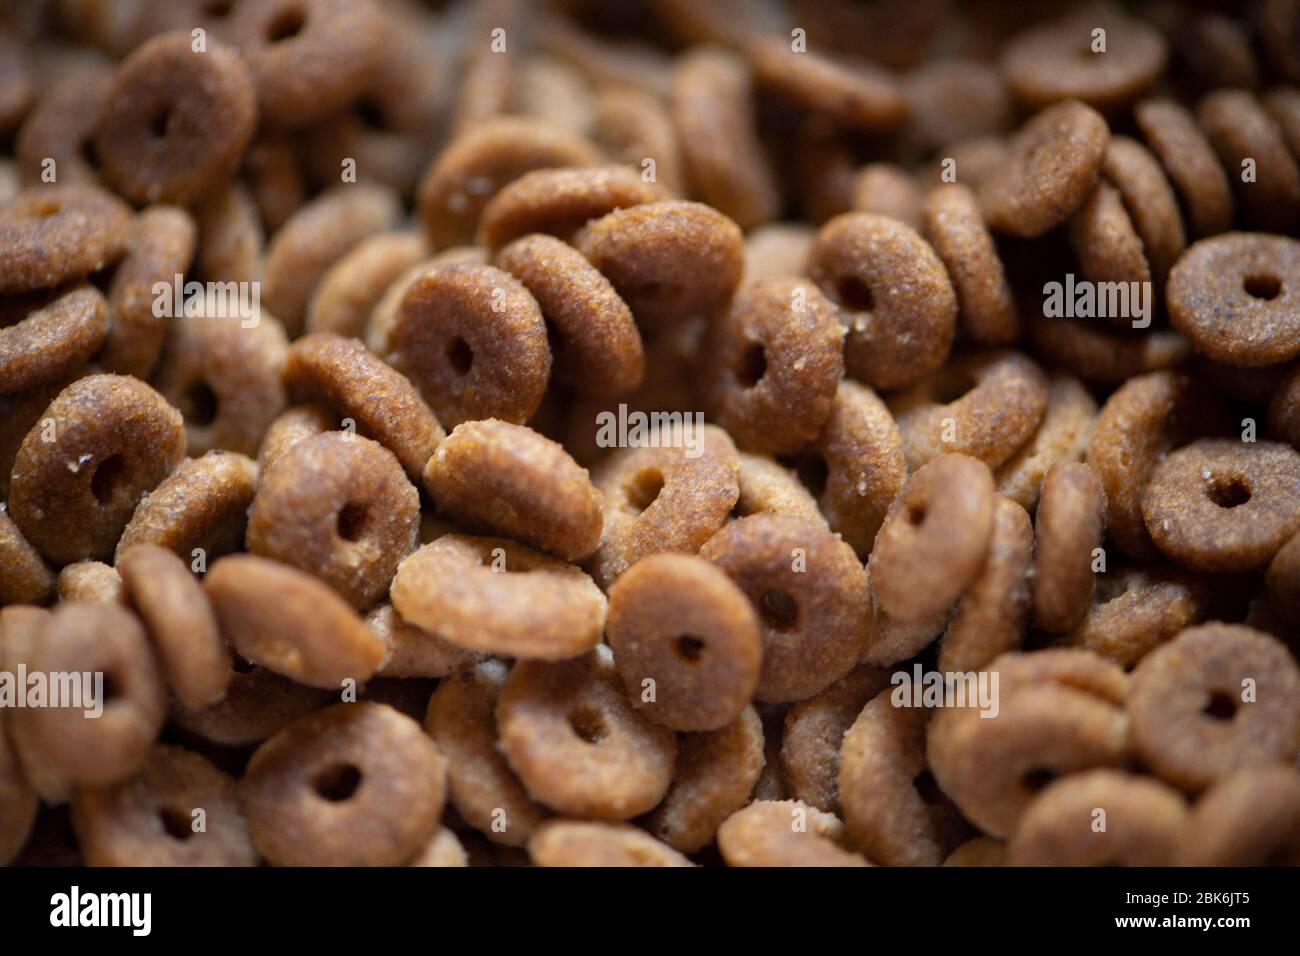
950,101
589,843
1240,129
411,652
678,625
1218,50
258,703
92,581
767,487
1146,823
478,163
179,618
62,126
556,92
56,234
317,236
351,288
150,820
202,506
934,537
1107,244
176,121
54,335
1221,505
811,595
863,453
292,426
860,95
667,498
276,184
1234,295
595,346
633,126
162,248
1057,60
509,480
955,227
993,613
24,576
1069,526
18,801
352,785
19,414
1149,200
1215,699
1062,436
444,850
1251,818
825,171
287,620
577,744
894,296
1282,581
484,790
473,341
971,161
231,245
712,111
898,640
21,628
668,260
1052,165
344,375
559,202
115,439
1002,397
337,506
778,250
1100,354
1171,132
493,595
777,355
784,833
888,190
488,87
309,59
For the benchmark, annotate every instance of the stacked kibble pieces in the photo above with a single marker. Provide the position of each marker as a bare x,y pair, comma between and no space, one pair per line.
504,433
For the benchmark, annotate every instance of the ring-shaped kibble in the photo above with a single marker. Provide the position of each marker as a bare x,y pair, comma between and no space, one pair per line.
1001,397
1107,245
810,592
199,511
1282,581
350,289
257,705
979,851
357,784
309,58
978,159
898,640
461,719
19,802
340,507
633,125
345,376
1069,526
1101,354
862,452
115,439
1243,133
1059,60
176,120
1284,408
162,247
54,335
512,481
19,414
1216,699
56,234
477,164
1251,818
1146,823
107,639
888,814
21,627
1277,26
679,622
715,774
92,581
291,622
570,733
169,599
1052,164
231,240
150,820
934,537
1283,105
494,595
412,652
1221,505
1237,297
595,346
1171,132
292,426
472,340
276,182
1061,436
955,101
669,260
711,105
669,495
24,576
62,124
571,843
1149,200
784,833
443,850
894,297
888,190
559,202
859,95
778,250
767,486
777,357
993,612
954,225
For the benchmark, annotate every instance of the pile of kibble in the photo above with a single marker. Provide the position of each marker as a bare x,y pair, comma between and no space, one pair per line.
649,432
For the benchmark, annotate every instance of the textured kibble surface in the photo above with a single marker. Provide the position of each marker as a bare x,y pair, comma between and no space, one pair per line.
649,433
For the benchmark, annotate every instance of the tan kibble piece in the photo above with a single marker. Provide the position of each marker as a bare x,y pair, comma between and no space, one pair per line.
257,705
1150,201
1283,581
955,100
25,578
1137,610
53,235
778,250
1100,354
19,802
52,336
768,487
1107,245
92,581
62,124
1240,129
21,627
589,843
292,426
350,289
1062,436
857,94
980,851
1251,818
1069,525
633,126
784,833
955,227
1171,132
888,190
412,652
231,240
444,850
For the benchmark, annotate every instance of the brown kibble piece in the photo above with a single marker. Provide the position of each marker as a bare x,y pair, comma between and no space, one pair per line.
1069,526
92,581
1240,129
1171,132
1150,202
53,336
1108,247
24,576
58,234
572,843
784,833
955,227
1251,818
1062,436
858,95
350,289
888,190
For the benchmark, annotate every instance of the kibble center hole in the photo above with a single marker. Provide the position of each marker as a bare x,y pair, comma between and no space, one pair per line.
176,823
203,404
856,294
927,788
460,355
1266,287
370,114
337,782
916,513
286,24
688,648
753,365
644,489
107,477
588,724
112,689
780,610
241,665
218,8
351,522
160,123
1229,492
1036,780
1220,706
